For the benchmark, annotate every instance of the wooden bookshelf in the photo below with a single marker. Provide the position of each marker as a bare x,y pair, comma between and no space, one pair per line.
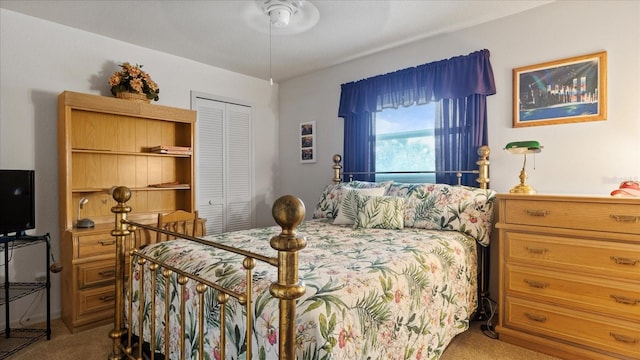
105,142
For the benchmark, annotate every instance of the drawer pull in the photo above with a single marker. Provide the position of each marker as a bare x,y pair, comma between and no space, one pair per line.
107,243
539,213
623,338
537,318
107,273
538,251
107,298
625,218
624,261
537,284
625,300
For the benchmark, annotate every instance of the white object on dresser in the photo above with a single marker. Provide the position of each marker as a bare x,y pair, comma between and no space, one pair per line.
569,270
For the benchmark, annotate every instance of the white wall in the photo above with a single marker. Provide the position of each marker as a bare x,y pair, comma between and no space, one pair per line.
580,158
40,59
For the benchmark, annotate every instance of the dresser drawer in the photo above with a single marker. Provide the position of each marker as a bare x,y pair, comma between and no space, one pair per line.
96,273
96,300
604,258
94,245
610,217
604,295
597,332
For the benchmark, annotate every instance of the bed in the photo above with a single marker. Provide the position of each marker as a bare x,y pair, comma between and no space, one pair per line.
384,270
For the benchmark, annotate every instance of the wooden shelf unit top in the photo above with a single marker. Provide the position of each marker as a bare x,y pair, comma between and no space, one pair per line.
105,142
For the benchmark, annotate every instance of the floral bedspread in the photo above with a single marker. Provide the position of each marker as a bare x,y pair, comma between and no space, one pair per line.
370,293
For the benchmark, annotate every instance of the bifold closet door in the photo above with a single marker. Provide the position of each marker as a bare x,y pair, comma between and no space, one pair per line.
224,165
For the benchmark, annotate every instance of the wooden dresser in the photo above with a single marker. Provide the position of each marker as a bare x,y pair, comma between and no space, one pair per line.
105,142
569,270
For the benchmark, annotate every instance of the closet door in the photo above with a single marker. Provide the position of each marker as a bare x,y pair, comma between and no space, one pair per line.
210,187
224,163
238,196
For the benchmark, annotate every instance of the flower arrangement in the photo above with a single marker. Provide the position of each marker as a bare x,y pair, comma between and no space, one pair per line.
133,79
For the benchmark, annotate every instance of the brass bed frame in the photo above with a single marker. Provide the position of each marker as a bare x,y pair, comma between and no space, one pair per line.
288,211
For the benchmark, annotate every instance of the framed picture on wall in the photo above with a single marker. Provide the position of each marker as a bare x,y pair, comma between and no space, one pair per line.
307,133
561,91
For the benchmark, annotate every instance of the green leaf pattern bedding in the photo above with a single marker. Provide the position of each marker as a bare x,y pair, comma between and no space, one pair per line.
370,293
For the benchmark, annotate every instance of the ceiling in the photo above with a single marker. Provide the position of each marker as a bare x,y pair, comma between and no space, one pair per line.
234,34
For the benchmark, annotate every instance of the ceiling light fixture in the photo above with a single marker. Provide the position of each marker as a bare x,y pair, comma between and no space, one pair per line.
287,17
280,11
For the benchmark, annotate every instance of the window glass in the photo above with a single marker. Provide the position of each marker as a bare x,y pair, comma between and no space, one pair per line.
405,142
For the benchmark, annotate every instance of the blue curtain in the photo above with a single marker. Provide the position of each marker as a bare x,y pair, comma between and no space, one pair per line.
359,134
461,84
460,130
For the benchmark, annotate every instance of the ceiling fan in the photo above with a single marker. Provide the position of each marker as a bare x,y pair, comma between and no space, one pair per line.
286,17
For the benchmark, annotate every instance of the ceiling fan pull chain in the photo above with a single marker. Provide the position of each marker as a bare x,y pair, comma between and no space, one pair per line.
270,77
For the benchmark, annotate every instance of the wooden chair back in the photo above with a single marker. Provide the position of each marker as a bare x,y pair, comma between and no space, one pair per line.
181,222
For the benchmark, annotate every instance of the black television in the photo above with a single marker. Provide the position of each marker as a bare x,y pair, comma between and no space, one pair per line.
17,201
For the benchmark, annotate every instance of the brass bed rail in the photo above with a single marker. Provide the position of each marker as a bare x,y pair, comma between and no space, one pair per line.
288,212
482,171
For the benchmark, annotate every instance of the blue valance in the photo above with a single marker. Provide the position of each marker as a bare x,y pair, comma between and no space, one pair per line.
454,78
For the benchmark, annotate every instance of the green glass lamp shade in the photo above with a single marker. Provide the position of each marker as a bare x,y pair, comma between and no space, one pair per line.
523,147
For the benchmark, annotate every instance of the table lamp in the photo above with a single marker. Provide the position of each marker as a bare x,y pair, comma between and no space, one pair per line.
523,147
83,223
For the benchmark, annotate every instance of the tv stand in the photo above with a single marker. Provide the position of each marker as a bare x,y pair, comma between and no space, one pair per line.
11,291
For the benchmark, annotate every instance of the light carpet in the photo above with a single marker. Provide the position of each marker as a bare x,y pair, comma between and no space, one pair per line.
95,344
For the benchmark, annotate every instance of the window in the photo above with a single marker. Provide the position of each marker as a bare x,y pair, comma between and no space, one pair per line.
405,142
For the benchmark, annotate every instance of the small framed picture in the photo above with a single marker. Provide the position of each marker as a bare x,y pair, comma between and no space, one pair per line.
307,133
562,91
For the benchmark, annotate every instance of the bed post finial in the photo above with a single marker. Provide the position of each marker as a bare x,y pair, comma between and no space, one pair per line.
337,178
288,211
121,195
483,166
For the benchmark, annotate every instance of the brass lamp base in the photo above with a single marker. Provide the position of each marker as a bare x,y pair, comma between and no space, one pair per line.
522,189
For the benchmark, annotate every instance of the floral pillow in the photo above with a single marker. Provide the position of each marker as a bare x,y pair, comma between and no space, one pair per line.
447,207
380,212
351,199
330,199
